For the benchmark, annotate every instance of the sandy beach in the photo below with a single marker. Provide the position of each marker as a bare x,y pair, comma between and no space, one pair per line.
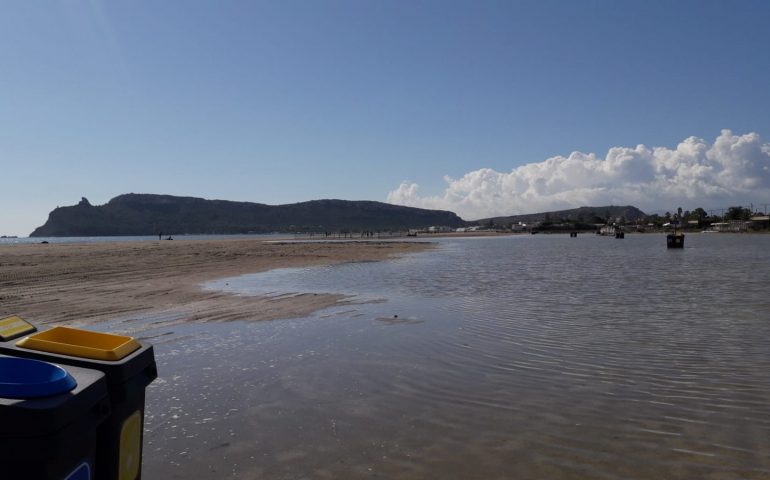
81,284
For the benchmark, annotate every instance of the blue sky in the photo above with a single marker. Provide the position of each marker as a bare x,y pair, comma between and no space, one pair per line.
286,101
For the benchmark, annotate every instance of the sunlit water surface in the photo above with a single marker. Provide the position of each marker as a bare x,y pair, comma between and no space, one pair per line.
532,357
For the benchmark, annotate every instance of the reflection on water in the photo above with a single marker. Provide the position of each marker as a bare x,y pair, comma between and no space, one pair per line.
509,357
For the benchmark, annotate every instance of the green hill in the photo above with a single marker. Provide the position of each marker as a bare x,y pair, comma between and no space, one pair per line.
145,214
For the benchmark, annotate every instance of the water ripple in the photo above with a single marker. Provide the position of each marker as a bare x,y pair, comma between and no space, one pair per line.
530,357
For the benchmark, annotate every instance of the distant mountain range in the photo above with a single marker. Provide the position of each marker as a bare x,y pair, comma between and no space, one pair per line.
144,214
588,215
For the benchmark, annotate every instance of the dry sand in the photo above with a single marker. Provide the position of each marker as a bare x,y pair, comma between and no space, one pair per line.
85,283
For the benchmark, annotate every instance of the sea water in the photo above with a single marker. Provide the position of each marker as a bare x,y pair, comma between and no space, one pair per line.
538,356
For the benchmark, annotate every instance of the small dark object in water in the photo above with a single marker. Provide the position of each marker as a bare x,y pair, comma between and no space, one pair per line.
44,242
620,235
169,238
573,234
395,316
675,240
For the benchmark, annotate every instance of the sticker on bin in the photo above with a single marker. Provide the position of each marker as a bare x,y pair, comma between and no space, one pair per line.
83,472
81,343
13,327
131,447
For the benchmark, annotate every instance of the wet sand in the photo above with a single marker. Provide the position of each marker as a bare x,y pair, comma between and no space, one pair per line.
86,283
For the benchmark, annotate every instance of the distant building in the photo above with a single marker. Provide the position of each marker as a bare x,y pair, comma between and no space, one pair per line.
734,226
761,221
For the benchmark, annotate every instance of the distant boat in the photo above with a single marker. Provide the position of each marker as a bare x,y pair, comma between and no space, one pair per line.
610,231
675,240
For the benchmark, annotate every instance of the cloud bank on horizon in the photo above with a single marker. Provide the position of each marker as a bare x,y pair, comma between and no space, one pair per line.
733,170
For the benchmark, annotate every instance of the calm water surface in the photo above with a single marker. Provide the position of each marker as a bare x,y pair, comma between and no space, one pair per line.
510,357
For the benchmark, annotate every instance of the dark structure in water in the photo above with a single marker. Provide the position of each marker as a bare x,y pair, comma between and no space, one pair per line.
675,240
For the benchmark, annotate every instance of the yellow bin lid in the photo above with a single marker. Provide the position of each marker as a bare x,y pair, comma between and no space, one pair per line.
81,343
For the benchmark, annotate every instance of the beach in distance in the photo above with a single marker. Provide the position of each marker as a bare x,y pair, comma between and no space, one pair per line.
84,283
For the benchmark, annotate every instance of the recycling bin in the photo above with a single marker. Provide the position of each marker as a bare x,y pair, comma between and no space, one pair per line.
128,367
49,416
14,327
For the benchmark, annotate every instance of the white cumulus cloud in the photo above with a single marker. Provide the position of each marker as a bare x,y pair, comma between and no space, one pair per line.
733,170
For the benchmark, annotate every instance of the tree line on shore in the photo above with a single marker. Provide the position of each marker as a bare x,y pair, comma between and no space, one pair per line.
697,218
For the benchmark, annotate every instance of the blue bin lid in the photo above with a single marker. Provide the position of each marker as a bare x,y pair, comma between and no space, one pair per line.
25,378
